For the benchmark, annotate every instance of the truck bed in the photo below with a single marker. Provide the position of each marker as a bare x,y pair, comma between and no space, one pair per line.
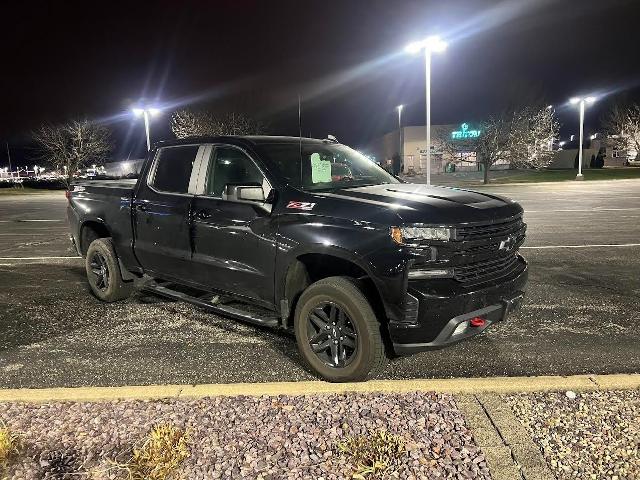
116,187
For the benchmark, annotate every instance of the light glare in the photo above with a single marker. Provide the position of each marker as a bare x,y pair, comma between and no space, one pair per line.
432,44
574,100
414,48
137,111
435,44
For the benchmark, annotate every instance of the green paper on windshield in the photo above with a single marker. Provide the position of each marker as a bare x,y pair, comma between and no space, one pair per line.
320,169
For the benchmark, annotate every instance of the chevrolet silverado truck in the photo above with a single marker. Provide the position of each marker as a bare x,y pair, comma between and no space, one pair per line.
308,236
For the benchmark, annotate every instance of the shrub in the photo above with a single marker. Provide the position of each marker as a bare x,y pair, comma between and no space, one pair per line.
160,455
10,446
373,453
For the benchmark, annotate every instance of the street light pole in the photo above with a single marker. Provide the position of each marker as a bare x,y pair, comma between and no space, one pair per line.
581,102
580,176
400,142
146,114
429,45
427,74
146,128
552,112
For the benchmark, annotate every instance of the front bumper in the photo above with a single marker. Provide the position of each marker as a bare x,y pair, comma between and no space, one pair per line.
443,307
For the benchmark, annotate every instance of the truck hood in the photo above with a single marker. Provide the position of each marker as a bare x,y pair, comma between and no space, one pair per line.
415,203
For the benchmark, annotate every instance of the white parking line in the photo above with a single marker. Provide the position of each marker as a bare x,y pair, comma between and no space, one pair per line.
583,210
37,258
20,221
541,247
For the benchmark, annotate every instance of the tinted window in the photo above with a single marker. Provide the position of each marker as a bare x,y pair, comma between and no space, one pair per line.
173,168
231,167
316,166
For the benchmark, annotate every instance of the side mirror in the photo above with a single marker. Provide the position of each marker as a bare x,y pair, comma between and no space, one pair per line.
251,194
243,193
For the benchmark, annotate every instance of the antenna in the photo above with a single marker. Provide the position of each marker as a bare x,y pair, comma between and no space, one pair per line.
300,117
300,134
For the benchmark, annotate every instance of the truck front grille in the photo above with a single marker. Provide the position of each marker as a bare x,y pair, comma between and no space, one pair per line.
501,228
480,272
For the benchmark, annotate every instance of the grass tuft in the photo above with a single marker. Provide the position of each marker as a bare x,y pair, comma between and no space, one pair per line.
160,455
10,446
373,453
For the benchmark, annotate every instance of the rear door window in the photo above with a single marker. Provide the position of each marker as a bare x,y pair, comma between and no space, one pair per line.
172,170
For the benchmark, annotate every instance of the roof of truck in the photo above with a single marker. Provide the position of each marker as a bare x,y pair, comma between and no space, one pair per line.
244,139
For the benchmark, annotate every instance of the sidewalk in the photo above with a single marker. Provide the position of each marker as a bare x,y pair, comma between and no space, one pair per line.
315,430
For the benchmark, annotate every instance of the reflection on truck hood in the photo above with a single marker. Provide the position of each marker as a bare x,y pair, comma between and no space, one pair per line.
415,203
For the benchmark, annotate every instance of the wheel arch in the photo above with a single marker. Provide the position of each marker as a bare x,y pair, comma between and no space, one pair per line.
90,230
310,266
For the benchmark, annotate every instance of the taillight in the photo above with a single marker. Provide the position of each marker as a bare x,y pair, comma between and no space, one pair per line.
67,194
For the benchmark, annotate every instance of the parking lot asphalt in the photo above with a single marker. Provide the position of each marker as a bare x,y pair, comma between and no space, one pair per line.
580,314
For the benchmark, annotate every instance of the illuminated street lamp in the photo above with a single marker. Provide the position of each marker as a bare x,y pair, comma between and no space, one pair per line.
429,45
400,146
581,101
146,112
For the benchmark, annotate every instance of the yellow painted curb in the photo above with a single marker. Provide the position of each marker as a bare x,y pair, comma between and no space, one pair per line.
453,385
89,394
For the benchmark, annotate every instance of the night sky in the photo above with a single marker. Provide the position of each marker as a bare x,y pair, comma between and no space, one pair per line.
67,59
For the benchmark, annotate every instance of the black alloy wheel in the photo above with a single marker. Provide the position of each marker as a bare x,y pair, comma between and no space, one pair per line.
332,335
337,332
100,269
103,272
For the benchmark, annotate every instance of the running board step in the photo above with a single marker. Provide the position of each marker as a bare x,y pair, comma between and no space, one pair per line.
264,318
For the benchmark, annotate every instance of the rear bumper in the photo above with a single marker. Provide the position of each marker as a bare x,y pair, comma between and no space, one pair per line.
442,309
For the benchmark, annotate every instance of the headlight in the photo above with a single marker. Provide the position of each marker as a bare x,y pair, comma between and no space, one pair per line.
410,235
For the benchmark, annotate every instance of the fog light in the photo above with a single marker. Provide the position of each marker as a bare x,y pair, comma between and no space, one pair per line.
460,329
422,273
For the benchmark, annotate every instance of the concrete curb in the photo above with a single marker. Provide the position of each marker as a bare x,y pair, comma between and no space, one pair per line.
509,449
469,386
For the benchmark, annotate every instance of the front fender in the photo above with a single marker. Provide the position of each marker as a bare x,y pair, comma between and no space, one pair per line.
365,245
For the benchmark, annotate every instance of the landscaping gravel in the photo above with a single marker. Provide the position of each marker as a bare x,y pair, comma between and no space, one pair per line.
594,435
252,437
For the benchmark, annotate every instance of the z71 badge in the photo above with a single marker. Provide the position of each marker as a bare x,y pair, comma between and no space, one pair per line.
301,205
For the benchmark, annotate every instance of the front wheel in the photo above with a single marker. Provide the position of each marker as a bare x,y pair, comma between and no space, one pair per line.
337,331
103,272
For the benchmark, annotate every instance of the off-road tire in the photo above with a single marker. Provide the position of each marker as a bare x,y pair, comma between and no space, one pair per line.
115,288
369,354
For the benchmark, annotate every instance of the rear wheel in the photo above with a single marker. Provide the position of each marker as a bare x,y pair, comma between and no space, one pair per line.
103,272
337,331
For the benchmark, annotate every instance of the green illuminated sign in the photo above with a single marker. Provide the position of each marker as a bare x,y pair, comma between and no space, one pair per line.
464,132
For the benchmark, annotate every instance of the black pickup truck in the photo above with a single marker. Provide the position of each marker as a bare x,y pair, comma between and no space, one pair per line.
309,236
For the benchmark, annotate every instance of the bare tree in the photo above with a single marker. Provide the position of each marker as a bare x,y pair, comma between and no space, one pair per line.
73,145
523,137
198,123
494,142
622,124
532,132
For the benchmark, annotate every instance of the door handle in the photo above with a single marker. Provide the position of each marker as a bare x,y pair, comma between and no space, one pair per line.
142,207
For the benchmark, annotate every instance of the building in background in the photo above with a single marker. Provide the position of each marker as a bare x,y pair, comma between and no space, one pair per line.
453,147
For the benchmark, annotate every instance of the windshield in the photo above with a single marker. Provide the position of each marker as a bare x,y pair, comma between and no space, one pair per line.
324,166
